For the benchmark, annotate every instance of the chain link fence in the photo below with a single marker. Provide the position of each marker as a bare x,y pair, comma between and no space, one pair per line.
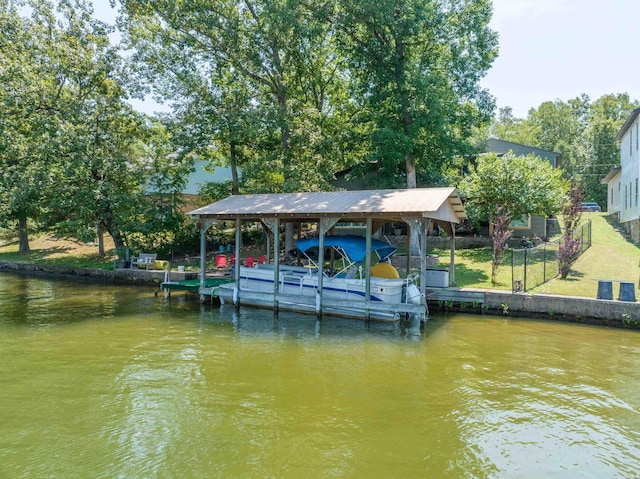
534,266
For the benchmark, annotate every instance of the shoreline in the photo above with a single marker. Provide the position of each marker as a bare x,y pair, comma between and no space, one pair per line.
574,309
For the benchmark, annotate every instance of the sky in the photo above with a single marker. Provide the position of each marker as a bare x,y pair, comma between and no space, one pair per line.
549,50
559,49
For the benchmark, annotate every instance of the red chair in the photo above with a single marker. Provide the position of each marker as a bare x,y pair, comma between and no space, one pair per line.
262,259
233,260
249,262
221,261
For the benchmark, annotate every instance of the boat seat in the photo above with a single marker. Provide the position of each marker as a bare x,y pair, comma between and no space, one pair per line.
384,270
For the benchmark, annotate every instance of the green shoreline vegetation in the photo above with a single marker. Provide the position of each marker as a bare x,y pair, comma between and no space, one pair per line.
611,257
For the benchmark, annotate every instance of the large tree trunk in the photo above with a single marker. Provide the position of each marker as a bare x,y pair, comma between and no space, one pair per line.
233,158
23,236
109,223
100,234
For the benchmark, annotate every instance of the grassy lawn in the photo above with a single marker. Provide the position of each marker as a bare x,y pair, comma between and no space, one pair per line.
59,251
610,257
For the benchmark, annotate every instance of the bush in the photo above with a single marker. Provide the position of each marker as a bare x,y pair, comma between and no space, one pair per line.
569,251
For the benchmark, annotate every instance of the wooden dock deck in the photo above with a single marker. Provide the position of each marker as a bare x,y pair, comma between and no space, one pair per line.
193,285
459,295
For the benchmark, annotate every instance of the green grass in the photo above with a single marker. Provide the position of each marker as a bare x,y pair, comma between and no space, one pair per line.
57,252
610,257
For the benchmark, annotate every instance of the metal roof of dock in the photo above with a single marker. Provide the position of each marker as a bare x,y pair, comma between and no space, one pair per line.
440,204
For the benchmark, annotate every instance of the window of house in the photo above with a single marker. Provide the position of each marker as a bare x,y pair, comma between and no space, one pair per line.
521,223
630,141
625,197
636,203
637,124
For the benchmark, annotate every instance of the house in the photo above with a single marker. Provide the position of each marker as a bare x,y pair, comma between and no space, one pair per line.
501,147
532,226
198,176
622,181
612,180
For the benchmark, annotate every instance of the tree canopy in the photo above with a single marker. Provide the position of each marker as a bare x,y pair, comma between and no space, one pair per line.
515,186
581,130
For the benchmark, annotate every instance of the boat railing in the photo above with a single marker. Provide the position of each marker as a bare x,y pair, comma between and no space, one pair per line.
292,278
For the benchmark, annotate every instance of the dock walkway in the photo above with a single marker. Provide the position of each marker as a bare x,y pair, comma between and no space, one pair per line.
193,285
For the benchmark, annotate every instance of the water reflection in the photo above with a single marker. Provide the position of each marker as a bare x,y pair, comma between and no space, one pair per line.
103,381
253,321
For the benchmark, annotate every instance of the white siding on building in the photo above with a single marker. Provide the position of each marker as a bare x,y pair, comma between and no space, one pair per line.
629,174
614,196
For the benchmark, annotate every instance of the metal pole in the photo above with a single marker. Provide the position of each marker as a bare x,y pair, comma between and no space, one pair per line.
422,237
513,284
524,286
452,262
203,253
367,269
544,262
276,263
237,265
320,269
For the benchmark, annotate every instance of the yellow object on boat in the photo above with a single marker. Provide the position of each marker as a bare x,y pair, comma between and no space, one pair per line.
384,270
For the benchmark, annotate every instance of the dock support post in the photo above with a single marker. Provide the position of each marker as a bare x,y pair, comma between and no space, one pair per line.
236,270
422,236
452,262
324,225
367,268
276,263
205,224
320,269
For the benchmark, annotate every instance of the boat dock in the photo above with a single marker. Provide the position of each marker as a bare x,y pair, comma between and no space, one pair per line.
193,285
457,295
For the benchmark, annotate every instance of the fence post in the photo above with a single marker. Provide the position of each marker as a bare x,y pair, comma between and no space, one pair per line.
524,282
544,263
512,273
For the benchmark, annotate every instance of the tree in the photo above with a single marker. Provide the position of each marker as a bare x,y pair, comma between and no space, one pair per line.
500,238
569,248
583,132
416,67
509,187
607,116
97,173
30,114
279,53
559,126
516,130
69,154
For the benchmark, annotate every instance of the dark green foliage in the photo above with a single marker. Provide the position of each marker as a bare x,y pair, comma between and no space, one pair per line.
582,131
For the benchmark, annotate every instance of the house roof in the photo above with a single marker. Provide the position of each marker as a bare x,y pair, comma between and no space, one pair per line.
628,123
440,204
611,175
502,147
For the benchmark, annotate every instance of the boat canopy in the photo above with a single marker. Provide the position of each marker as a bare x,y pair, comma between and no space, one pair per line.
355,247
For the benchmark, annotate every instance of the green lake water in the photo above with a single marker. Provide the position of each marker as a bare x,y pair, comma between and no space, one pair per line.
101,381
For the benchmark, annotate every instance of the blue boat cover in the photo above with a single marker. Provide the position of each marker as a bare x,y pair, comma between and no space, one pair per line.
353,246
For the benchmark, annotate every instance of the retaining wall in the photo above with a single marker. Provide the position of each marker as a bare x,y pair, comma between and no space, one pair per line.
624,314
121,276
